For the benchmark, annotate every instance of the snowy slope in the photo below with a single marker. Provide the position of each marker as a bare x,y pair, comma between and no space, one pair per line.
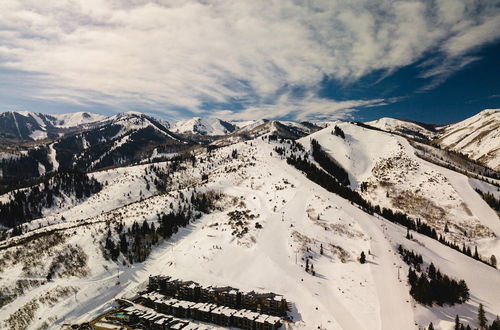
395,177
297,216
65,120
477,136
203,126
407,128
278,249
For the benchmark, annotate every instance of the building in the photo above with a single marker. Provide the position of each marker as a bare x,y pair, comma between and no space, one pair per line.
225,306
182,308
223,316
245,319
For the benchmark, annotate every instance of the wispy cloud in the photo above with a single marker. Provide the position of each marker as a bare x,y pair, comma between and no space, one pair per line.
307,107
167,55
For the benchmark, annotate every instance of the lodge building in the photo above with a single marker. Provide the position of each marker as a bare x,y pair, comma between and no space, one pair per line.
265,303
174,300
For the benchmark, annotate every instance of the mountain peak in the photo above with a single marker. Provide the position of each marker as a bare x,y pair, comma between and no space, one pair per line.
204,126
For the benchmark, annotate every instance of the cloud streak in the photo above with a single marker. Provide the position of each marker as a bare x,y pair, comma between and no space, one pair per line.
168,56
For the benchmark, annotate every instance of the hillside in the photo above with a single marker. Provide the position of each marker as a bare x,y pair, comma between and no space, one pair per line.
265,219
119,140
18,126
414,130
476,137
204,126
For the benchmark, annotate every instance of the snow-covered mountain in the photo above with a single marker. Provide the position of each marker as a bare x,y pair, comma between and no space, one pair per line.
66,120
31,126
254,129
264,221
415,130
478,137
119,140
203,126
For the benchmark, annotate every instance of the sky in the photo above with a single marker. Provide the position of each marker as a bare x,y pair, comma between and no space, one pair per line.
434,61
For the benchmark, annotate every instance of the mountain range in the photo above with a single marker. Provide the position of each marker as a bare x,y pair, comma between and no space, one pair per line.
388,224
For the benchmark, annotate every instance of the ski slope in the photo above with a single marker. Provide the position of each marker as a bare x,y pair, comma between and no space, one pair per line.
297,217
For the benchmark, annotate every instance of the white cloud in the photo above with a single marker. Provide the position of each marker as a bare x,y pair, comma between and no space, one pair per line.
181,54
308,107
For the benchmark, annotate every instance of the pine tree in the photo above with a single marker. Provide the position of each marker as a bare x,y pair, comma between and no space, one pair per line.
476,255
481,317
496,324
493,261
307,265
431,326
321,249
362,258
457,323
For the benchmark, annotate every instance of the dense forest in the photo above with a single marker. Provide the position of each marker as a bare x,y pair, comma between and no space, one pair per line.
431,286
28,204
24,170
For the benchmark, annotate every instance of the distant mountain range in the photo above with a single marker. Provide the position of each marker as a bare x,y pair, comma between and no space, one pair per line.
25,125
32,144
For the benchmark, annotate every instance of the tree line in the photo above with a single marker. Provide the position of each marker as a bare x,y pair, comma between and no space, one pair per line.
329,164
28,204
431,286
490,199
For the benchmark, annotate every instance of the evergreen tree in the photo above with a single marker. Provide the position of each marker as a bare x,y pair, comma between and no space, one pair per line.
481,317
457,323
496,324
431,326
362,257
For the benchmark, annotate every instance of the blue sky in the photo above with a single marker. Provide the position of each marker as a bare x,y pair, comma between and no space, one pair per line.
432,61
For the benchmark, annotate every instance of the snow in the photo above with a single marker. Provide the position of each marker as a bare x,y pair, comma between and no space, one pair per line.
131,121
41,169
401,126
38,135
249,125
203,126
485,187
65,120
17,124
52,156
10,155
360,150
477,136
412,180
296,217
